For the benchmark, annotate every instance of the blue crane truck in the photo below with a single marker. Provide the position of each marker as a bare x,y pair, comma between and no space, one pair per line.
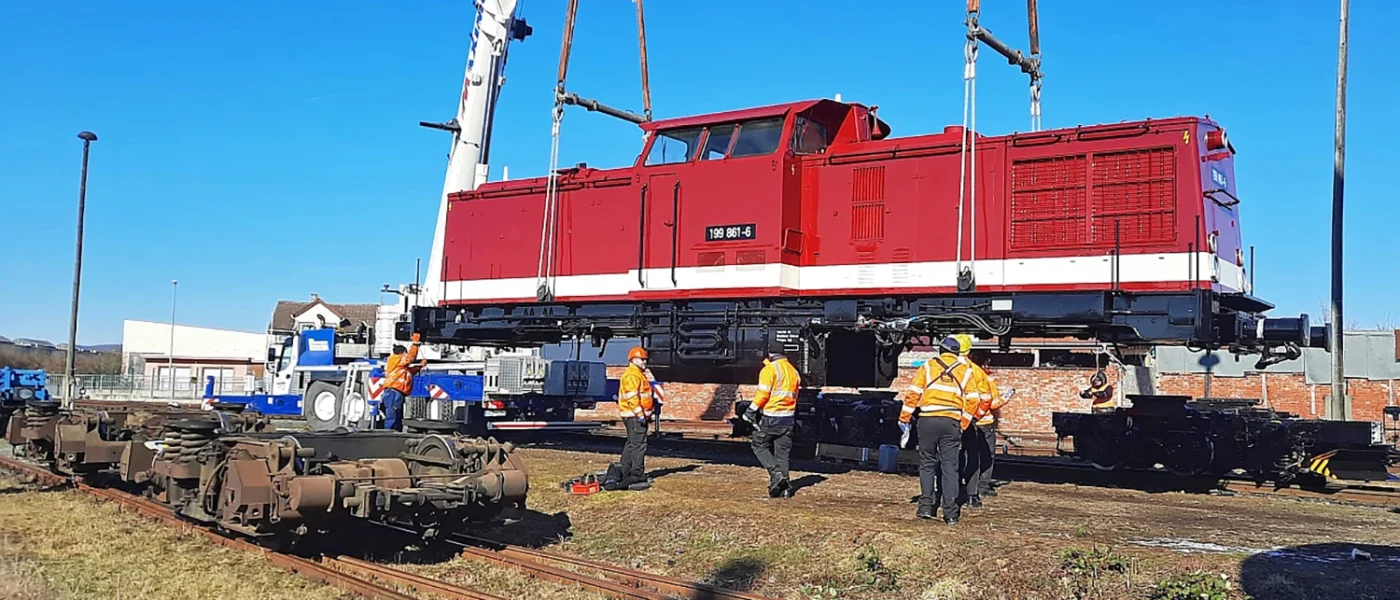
335,382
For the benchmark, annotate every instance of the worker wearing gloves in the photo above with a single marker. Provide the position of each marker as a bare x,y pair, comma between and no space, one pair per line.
634,404
943,395
773,413
1099,392
398,382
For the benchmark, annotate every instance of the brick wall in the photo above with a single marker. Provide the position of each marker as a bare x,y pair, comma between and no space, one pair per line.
1288,392
1040,392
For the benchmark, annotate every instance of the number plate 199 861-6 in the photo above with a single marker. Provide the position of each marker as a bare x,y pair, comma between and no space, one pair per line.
725,233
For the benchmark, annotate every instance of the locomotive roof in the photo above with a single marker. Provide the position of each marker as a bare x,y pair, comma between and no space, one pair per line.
772,110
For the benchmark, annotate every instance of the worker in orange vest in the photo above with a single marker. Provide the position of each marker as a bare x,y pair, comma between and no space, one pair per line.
944,394
980,439
634,404
398,382
1099,392
773,413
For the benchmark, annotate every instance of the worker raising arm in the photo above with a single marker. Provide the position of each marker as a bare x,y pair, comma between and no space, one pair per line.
398,382
773,413
944,394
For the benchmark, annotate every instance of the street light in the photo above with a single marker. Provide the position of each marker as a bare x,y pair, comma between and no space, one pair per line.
170,358
69,384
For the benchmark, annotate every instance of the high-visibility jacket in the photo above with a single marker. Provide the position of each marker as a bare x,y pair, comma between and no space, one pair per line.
399,372
1102,395
634,397
946,386
777,391
991,400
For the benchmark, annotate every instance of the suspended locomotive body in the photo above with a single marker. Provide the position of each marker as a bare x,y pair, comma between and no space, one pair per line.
228,469
807,224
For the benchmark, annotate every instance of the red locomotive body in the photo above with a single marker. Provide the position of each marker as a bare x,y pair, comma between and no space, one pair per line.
810,199
804,226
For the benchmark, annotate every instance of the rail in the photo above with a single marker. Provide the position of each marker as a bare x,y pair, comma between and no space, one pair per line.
303,567
383,582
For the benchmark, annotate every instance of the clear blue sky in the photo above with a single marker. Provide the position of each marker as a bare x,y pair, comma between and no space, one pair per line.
257,151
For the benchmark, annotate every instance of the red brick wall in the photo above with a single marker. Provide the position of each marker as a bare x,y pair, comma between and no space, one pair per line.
1040,392
1288,392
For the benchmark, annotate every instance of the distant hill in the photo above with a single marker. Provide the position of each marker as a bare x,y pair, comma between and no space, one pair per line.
35,344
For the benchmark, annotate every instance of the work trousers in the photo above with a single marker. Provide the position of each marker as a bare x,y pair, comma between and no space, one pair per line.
989,457
940,443
772,443
392,401
978,444
969,461
634,452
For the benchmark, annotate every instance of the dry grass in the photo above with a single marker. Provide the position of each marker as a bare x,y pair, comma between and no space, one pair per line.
69,545
853,535
20,578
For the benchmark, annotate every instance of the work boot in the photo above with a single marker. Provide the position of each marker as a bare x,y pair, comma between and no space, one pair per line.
975,502
779,489
925,512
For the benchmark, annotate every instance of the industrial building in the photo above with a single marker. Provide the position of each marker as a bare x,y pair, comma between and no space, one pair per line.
155,360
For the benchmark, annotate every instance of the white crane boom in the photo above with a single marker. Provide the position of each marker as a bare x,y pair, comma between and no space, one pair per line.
468,159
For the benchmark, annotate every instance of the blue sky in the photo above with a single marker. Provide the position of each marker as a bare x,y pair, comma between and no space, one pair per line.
257,151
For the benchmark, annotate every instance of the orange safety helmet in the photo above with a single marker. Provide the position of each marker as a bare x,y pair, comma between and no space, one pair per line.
637,352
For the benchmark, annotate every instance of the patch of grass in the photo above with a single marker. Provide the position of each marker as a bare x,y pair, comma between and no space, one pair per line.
83,548
1278,586
1088,570
1094,561
948,588
1193,586
874,574
20,578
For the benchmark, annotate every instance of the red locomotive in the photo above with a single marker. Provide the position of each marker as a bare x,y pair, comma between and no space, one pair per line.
806,225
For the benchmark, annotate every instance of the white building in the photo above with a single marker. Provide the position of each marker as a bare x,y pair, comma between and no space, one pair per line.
231,357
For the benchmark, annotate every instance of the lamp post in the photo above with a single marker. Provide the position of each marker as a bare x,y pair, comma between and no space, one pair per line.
170,358
70,386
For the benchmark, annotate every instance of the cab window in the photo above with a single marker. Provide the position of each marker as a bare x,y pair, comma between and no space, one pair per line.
808,136
757,137
674,146
718,143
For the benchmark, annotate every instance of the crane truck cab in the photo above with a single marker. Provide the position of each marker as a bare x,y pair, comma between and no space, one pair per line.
332,378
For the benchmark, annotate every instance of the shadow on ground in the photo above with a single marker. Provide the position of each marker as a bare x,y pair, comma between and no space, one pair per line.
1334,570
738,574
806,481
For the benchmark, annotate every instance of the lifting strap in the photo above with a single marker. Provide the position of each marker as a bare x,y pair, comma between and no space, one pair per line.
967,174
544,284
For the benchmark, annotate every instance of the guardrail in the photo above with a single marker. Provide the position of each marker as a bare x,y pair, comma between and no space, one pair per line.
142,387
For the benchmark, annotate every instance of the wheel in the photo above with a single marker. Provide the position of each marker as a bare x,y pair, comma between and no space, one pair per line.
321,406
1189,455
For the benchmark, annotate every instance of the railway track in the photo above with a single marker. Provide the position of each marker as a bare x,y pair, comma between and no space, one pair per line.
382,582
